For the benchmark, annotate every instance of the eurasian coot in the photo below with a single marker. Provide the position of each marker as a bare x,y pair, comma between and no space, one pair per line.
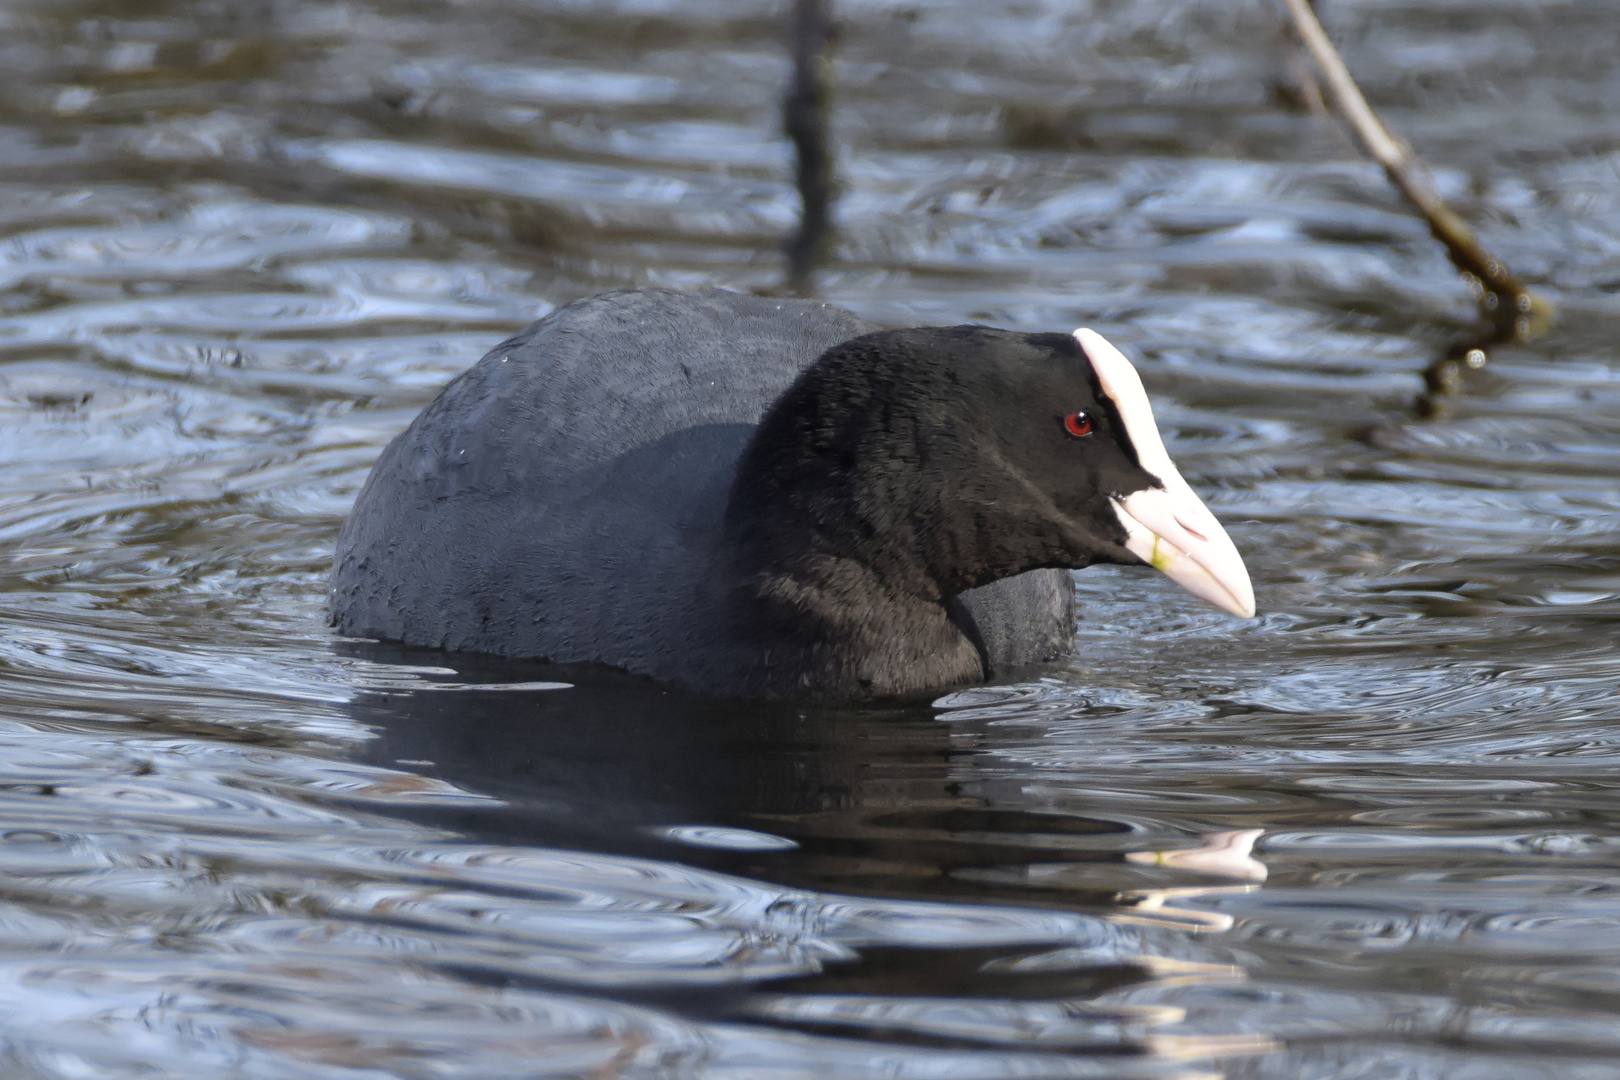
770,498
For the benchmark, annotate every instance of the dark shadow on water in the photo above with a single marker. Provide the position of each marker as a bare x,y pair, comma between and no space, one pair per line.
870,798
863,801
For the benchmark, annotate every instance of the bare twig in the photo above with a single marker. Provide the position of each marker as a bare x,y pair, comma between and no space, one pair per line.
804,117
1513,309
1310,91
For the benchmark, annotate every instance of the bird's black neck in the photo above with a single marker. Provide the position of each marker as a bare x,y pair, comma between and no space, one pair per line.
832,626
833,584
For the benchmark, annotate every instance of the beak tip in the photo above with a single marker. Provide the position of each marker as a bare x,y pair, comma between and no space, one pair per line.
1241,601
1232,603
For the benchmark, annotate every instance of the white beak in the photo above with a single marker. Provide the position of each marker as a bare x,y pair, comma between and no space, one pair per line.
1170,529
1174,532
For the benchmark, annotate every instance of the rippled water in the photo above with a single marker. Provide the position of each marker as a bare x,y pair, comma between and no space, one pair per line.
241,244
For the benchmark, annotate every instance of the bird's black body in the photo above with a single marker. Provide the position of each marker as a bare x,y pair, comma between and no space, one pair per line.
602,487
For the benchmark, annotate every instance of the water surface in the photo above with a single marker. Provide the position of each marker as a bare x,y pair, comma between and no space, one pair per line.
241,245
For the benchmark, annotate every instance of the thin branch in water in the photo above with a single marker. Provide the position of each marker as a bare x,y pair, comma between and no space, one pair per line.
1310,90
804,118
1512,309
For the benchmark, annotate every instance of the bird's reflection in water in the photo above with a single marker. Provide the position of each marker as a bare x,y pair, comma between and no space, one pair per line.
866,800
884,802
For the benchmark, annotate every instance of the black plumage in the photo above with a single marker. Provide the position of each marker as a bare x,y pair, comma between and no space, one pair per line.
750,496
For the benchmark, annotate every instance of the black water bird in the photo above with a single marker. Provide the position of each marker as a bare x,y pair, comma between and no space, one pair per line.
759,497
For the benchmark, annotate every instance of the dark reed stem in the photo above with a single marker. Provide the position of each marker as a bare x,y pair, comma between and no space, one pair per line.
804,119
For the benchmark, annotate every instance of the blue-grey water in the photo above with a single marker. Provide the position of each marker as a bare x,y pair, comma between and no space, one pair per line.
241,243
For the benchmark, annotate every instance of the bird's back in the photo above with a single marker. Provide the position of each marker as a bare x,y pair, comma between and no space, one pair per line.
562,497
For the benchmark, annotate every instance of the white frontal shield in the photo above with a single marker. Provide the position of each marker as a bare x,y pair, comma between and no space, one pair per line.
1170,529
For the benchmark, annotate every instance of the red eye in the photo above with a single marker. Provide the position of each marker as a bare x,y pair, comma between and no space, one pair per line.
1078,424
